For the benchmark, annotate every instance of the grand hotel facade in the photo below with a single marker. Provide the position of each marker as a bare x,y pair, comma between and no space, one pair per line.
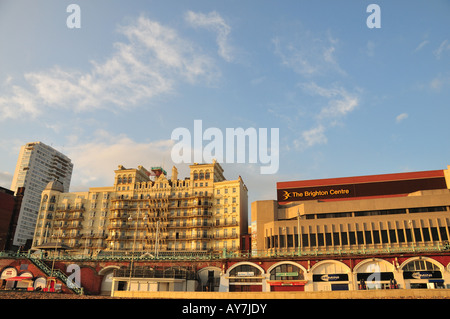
145,212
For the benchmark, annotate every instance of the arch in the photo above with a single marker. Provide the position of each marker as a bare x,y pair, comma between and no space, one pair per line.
246,263
330,275
40,282
107,269
8,272
426,259
246,276
423,272
286,262
387,266
107,280
339,264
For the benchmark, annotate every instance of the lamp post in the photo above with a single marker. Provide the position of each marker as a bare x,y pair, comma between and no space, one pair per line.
298,230
56,248
130,219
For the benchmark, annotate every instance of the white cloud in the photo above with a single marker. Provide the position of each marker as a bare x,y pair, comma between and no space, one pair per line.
399,118
95,161
311,137
150,63
213,21
339,100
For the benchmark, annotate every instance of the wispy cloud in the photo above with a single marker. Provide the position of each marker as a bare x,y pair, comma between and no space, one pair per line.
152,60
443,47
312,55
214,22
340,102
337,102
309,54
421,45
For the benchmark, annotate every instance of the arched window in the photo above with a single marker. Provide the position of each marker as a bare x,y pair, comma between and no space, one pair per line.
286,272
417,265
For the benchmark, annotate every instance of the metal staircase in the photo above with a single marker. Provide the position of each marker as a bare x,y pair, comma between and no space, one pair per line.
57,274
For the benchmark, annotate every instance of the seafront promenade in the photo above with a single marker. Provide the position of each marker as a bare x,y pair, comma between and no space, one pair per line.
302,295
356,294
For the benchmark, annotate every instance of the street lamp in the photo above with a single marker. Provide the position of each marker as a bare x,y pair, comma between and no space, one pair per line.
130,219
56,248
298,230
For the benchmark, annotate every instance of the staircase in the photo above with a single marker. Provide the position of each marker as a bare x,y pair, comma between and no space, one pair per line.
58,274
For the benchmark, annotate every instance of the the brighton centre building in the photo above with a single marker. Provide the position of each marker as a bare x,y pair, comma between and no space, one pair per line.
358,216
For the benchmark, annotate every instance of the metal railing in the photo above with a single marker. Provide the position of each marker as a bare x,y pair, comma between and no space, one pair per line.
227,254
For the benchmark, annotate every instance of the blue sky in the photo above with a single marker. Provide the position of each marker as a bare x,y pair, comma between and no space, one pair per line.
348,100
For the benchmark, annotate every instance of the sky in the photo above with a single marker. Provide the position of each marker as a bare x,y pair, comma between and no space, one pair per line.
347,99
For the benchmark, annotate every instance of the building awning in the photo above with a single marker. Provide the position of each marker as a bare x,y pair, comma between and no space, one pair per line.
287,283
18,278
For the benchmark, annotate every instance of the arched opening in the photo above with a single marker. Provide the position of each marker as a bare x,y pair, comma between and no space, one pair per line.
330,275
422,273
287,276
246,277
374,274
